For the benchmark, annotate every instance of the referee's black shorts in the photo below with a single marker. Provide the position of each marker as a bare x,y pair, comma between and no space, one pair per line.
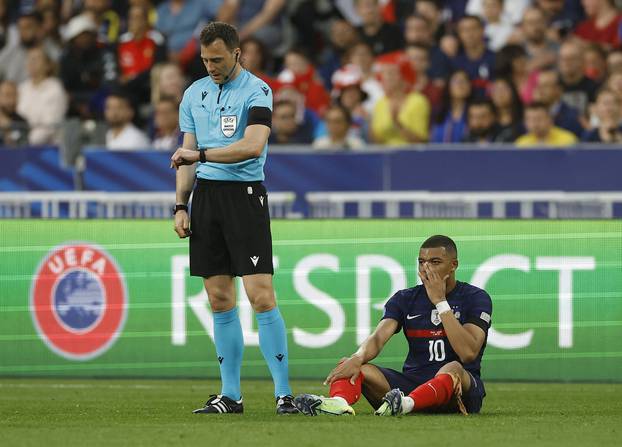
230,225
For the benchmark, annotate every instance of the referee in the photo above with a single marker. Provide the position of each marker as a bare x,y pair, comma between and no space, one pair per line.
227,116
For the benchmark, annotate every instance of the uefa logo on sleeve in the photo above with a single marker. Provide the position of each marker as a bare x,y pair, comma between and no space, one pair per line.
78,301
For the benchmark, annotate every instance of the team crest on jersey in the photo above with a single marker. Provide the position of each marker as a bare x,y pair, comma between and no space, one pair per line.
435,317
78,301
228,124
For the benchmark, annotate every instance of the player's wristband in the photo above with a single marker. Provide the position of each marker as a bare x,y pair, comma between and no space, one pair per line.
202,158
443,307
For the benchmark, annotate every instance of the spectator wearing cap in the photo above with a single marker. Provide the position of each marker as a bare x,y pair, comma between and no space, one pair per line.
607,115
451,121
13,56
106,20
264,20
381,36
122,134
541,130
13,127
137,51
256,58
399,117
579,90
339,137
602,23
300,72
286,129
86,68
532,34
549,92
167,133
349,94
42,98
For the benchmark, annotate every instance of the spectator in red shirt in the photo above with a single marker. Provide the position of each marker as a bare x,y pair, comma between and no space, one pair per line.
138,50
602,23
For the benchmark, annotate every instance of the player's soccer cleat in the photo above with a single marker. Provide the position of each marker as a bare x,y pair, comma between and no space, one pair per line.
312,405
391,404
217,404
285,405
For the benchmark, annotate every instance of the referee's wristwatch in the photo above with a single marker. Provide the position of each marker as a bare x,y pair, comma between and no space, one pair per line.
179,207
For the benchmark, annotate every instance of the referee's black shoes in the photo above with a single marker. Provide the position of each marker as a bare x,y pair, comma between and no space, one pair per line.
285,405
217,404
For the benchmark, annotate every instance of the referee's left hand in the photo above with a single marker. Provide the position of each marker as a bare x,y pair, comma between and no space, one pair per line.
183,157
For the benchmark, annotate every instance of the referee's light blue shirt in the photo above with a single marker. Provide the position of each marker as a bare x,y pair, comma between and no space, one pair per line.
218,118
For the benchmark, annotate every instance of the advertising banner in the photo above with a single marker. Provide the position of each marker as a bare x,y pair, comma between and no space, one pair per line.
114,298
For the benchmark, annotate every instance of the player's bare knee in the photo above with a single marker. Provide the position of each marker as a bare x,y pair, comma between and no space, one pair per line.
262,299
453,367
220,300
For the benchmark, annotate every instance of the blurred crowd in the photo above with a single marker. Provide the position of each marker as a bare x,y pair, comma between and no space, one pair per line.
345,73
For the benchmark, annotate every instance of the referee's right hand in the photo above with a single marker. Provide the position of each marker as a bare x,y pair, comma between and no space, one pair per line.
182,224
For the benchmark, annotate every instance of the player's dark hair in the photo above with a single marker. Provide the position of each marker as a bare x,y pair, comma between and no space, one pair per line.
438,241
220,30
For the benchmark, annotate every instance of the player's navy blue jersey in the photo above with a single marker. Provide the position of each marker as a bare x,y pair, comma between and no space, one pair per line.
428,345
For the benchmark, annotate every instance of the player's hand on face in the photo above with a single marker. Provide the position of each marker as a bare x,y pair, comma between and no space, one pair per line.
434,284
182,224
348,368
183,157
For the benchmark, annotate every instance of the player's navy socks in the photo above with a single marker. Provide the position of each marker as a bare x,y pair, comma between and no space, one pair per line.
345,389
435,392
229,348
273,344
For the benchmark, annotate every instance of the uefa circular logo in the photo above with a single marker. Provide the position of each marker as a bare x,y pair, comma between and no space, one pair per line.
78,300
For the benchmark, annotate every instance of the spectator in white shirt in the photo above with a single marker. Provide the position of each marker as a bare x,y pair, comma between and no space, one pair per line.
42,100
122,134
498,27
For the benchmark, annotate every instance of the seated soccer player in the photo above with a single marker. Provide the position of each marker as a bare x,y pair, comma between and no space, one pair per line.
445,323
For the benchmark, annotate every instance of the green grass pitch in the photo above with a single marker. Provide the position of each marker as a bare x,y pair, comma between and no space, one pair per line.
61,412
